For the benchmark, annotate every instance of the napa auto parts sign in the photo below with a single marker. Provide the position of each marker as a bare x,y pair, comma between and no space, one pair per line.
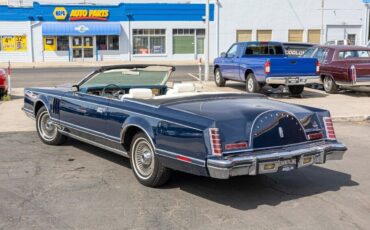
61,13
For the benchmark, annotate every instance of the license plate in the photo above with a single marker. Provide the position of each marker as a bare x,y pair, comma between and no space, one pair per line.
288,165
292,80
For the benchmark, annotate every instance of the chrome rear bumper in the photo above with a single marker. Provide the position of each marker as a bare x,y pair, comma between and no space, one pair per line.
272,161
298,80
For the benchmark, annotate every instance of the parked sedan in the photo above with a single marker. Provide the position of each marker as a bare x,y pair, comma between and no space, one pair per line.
342,67
129,110
3,83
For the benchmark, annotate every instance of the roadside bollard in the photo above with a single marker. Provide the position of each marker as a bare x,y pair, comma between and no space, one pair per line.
200,69
9,80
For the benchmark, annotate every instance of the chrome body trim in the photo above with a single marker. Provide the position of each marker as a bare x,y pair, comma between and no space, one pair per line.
173,155
252,162
29,113
302,80
125,154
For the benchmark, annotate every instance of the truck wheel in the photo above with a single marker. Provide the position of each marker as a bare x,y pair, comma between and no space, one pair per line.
296,89
145,164
329,85
47,131
252,85
219,80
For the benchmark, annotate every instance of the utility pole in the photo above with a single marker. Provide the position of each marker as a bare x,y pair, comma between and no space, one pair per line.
322,21
206,61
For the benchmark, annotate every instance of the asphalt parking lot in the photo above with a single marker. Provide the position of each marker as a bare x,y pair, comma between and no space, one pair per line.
77,186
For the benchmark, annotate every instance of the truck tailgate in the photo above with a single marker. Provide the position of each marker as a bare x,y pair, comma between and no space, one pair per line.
292,67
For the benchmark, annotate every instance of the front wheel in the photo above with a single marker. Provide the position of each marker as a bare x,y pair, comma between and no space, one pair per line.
296,89
252,85
145,164
219,80
329,85
47,130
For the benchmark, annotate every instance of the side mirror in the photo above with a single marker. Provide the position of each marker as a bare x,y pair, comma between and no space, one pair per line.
223,54
75,88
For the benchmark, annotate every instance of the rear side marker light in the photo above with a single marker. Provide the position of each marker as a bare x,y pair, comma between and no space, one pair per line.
317,67
183,158
242,145
329,128
353,74
267,67
315,136
215,140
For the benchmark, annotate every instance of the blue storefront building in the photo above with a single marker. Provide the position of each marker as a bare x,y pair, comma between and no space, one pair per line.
126,31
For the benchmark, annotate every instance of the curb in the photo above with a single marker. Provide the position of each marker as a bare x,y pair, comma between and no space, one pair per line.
351,118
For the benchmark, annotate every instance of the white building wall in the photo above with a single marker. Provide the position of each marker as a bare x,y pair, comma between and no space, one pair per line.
16,28
282,15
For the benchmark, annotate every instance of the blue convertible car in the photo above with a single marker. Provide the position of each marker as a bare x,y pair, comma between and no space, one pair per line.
131,111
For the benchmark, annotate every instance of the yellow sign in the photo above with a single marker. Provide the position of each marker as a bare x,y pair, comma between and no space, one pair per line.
14,43
50,43
20,43
78,15
8,43
60,13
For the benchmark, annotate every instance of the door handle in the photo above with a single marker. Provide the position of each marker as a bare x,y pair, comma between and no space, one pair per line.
100,110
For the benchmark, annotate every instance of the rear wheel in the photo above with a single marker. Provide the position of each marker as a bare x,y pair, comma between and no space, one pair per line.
329,85
145,164
296,89
219,80
47,130
252,85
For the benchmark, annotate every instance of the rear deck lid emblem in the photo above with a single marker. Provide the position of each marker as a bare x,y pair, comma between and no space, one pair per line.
281,132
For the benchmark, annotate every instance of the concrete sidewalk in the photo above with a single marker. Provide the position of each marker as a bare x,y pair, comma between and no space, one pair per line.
24,65
343,107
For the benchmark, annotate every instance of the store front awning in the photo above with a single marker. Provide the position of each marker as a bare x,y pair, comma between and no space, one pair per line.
81,28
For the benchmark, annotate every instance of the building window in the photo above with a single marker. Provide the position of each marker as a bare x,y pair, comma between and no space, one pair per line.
351,39
149,41
264,35
62,43
295,36
56,43
243,35
110,42
188,41
314,36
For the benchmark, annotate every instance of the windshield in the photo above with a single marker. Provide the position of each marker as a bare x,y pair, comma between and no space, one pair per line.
148,76
354,54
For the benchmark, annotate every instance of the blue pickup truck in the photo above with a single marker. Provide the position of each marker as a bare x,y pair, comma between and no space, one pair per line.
265,63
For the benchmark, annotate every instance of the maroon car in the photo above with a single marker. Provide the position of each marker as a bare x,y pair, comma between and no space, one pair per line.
346,67
3,83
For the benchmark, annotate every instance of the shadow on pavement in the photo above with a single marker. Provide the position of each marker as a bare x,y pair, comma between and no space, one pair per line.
246,192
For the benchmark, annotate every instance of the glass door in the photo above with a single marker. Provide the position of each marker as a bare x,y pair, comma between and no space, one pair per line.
77,48
88,47
82,48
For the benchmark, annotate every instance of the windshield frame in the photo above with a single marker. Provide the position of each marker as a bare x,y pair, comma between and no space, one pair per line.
128,67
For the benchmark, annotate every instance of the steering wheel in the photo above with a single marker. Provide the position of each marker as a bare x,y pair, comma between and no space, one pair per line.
115,93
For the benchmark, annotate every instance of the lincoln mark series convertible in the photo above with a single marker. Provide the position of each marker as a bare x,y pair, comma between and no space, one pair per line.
131,111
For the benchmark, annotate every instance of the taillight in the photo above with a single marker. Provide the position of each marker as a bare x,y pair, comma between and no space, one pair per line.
215,141
267,67
236,146
314,136
329,128
317,67
353,74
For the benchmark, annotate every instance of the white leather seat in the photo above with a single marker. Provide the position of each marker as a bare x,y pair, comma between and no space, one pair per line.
181,88
139,94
